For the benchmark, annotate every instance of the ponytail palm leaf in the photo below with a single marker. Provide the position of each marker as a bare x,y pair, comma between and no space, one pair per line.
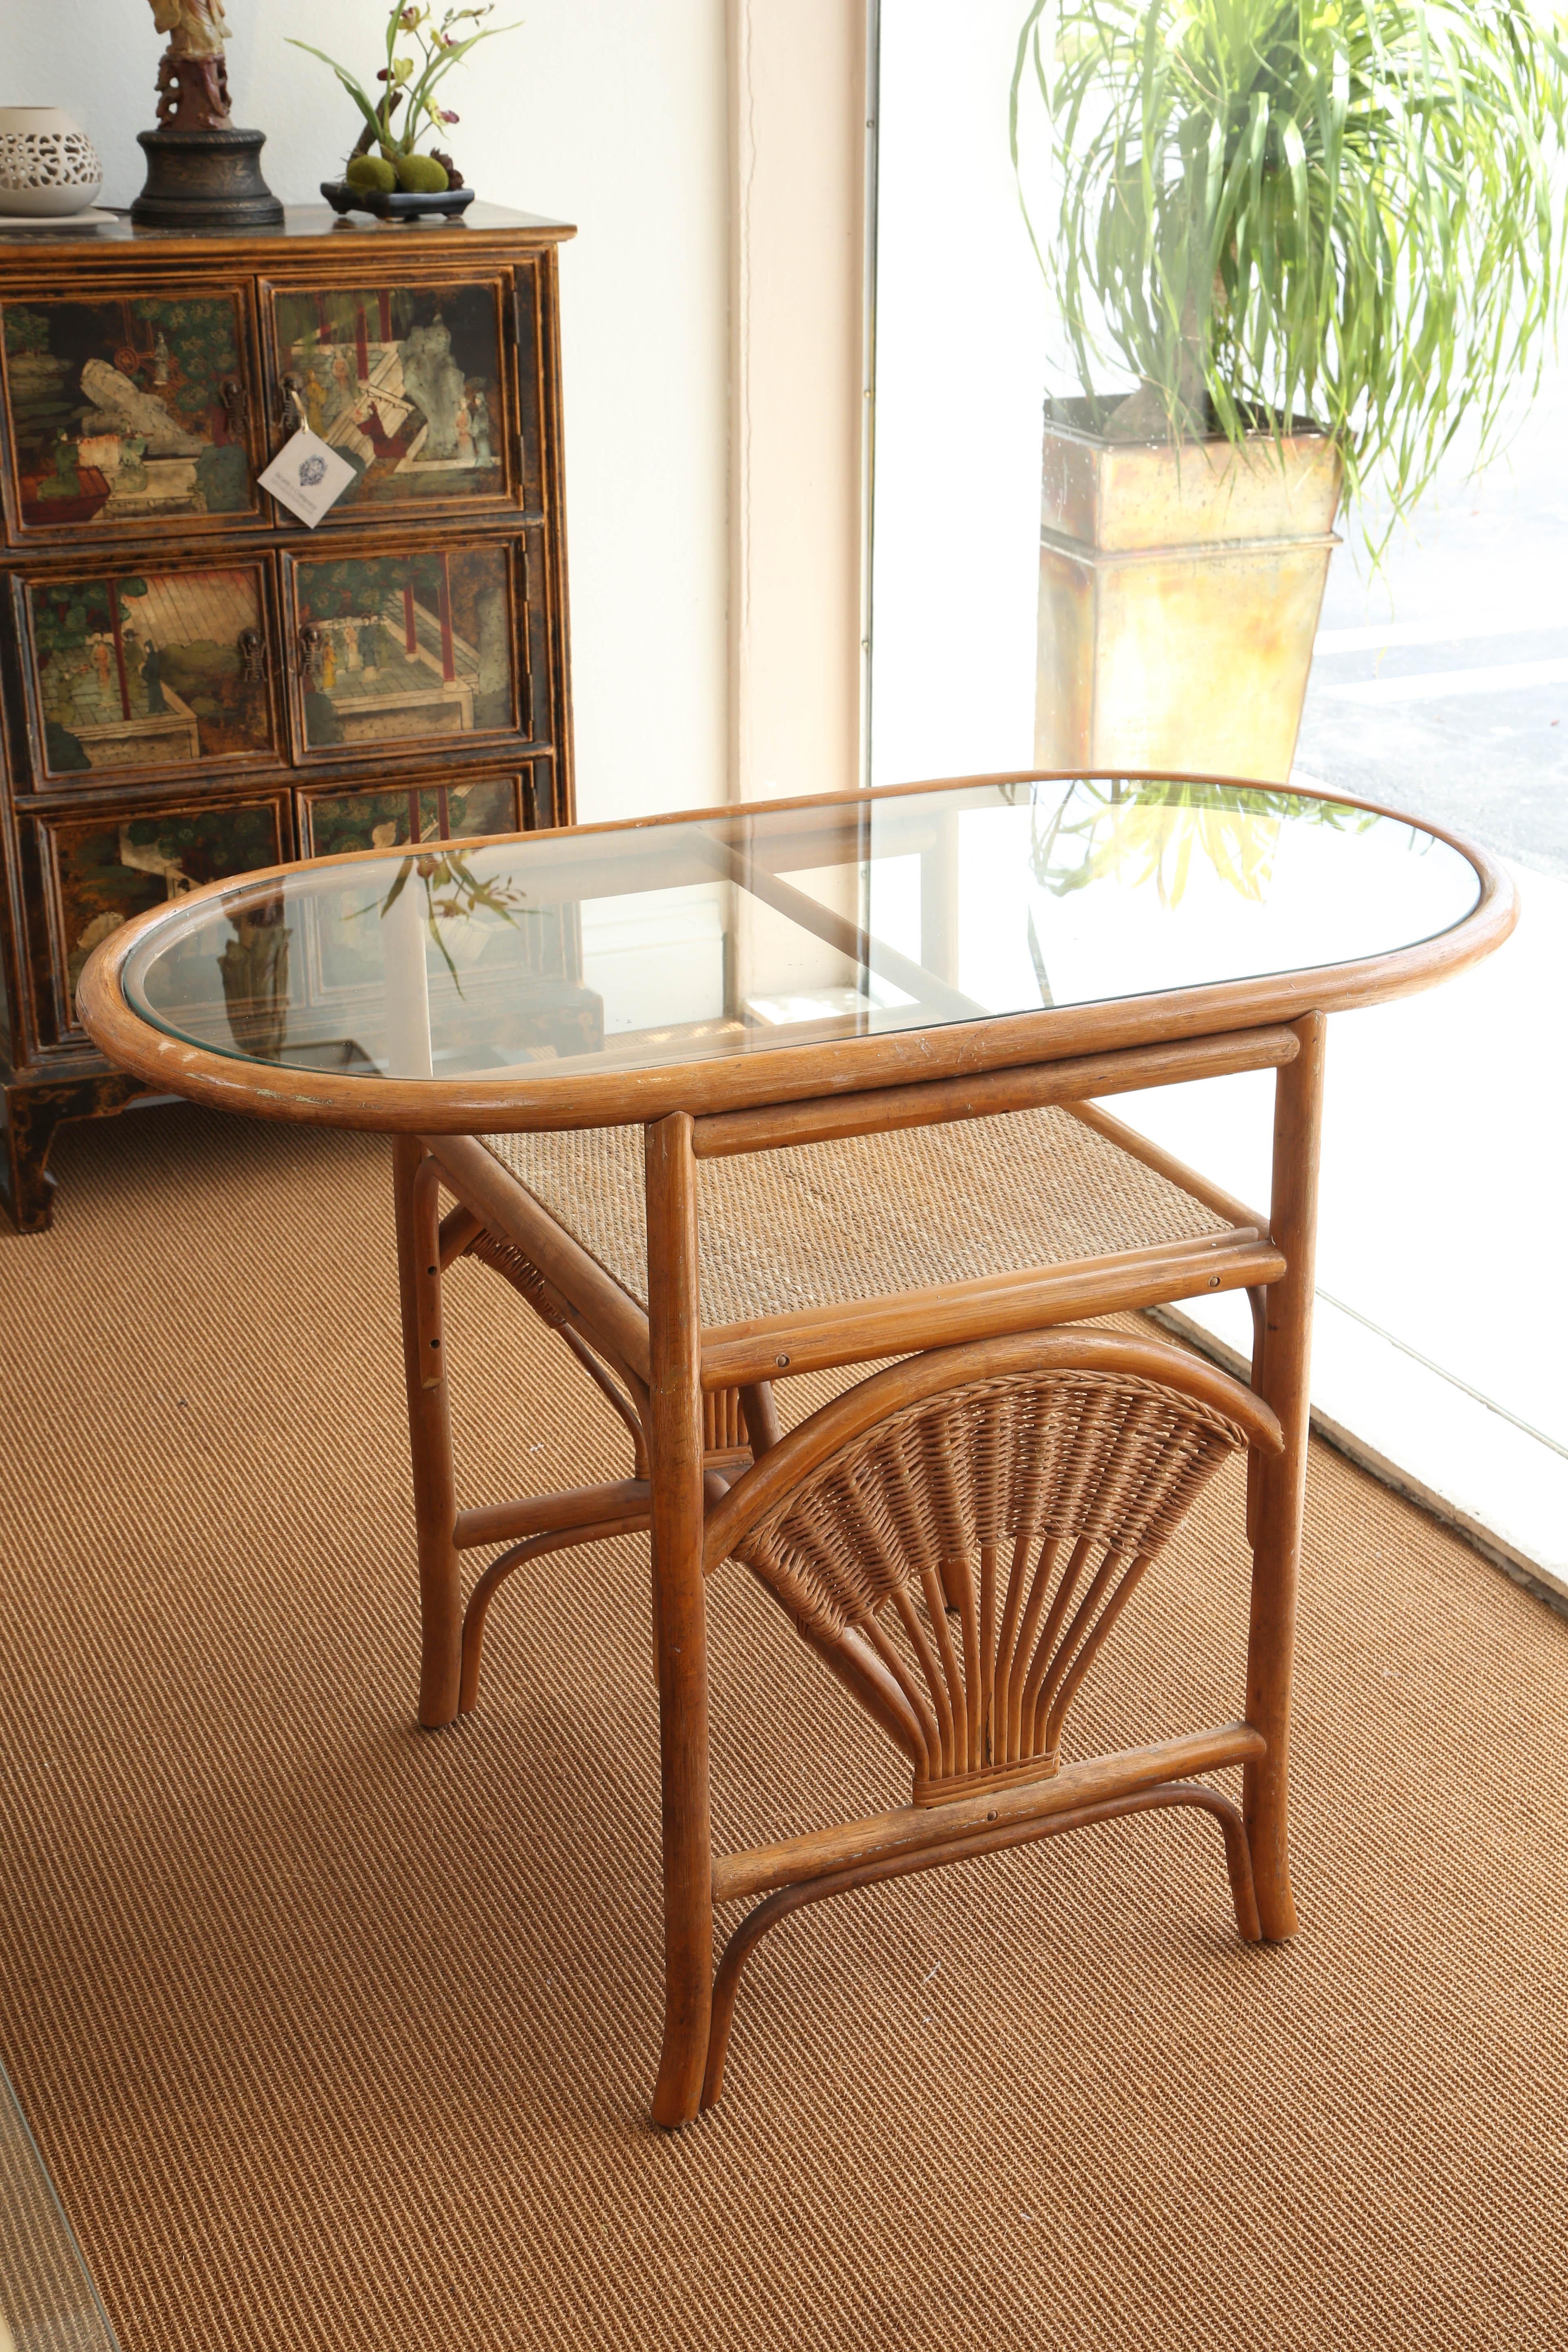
1343,210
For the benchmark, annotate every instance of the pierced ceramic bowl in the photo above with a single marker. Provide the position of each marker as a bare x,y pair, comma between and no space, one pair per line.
48,168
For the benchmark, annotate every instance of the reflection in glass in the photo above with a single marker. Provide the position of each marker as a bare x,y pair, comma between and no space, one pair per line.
1140,831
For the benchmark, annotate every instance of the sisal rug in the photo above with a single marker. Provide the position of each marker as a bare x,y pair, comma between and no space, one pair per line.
337,2034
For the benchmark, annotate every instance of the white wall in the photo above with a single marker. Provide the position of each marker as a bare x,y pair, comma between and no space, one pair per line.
610,113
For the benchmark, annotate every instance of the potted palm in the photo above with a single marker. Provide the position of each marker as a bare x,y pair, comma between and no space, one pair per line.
1323,234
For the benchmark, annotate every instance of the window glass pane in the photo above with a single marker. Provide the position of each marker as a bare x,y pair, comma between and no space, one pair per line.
1441,688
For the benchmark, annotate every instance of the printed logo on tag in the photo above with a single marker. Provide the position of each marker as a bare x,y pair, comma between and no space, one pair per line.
308,477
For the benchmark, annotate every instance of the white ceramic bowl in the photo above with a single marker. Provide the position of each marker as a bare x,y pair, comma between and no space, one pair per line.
48,166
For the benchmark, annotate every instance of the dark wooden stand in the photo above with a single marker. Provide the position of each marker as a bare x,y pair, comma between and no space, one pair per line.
193,683
205,180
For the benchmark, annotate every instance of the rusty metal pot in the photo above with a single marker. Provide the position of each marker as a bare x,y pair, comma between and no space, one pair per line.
1179,589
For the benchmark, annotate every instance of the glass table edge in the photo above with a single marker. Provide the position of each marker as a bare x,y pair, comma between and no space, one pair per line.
513,1097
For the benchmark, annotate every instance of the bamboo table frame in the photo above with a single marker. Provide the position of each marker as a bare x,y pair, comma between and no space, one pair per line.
698,1403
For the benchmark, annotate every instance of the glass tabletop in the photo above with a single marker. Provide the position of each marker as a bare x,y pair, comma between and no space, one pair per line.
668,942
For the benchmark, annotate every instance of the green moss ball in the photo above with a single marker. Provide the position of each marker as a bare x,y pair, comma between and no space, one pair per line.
421,175
371,171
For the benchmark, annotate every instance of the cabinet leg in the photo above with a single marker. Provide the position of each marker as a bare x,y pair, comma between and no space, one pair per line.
30,1118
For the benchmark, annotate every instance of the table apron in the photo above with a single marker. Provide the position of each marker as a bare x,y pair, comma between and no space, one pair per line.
937,1102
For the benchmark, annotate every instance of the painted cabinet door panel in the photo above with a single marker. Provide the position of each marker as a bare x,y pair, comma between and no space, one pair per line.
153,669
394,649
448,808
128,411
408,384
103,870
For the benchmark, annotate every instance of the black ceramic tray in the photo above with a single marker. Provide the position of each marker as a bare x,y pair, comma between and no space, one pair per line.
397,204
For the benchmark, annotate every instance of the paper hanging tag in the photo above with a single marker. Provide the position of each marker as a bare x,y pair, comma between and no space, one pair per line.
308,477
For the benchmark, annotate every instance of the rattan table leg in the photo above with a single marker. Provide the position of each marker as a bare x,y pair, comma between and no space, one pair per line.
1280,1490
676,1466
416,1195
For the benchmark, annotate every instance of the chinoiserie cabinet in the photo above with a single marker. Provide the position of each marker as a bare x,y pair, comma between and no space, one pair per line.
193,683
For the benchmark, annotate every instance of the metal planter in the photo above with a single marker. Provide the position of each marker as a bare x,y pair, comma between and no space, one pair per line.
1179,589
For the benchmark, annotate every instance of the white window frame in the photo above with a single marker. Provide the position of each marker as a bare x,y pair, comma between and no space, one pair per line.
801,116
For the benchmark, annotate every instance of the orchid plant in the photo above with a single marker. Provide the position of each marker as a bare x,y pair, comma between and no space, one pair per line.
411,81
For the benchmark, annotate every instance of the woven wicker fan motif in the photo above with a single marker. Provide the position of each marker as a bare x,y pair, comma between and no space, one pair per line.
968,1556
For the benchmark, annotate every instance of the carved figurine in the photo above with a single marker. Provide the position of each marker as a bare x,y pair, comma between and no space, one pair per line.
202,171
197,28
193,79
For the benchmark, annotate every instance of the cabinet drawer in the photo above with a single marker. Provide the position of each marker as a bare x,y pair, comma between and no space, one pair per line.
128,412
100,872
421,645
160,668
408,382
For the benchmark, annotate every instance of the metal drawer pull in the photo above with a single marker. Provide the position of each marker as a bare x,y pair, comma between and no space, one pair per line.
251,647
236,400
312,645
291,413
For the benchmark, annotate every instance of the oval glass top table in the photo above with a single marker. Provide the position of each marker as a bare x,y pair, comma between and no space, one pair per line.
734,1097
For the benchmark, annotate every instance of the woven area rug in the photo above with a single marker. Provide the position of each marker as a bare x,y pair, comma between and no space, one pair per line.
337,2035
